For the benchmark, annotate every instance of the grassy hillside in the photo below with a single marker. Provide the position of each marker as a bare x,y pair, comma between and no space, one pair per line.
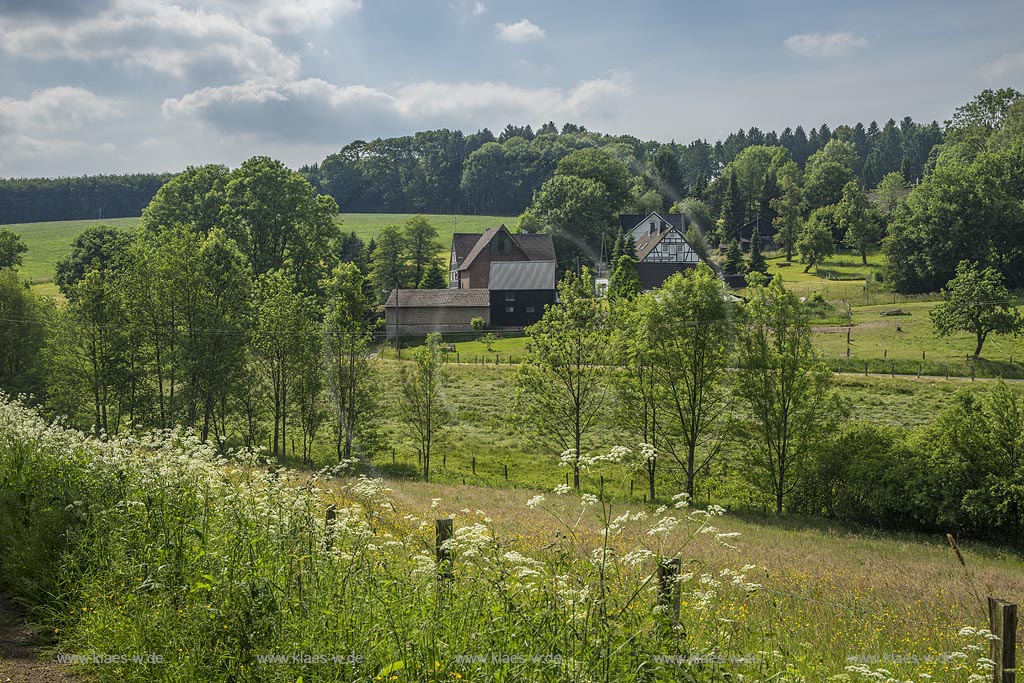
49,242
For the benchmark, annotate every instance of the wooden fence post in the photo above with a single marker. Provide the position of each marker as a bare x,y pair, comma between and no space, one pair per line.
668,586
474,465
444,555
506,472
1002,618
329,526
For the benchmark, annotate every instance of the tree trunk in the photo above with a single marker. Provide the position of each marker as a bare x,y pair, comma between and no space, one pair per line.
690,474
981,341
650,479
864,257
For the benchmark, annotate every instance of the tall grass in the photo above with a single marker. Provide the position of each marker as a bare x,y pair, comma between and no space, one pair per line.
222,569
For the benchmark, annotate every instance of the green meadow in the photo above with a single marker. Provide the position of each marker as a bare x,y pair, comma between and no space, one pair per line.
49,242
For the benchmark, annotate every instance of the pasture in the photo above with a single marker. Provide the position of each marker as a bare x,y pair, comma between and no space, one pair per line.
49,242
484,429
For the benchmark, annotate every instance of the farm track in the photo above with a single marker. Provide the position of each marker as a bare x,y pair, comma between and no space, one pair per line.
926,378
24,656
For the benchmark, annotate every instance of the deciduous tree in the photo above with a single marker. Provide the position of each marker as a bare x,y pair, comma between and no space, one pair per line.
977,302
785,389
422,403
691,330
561,382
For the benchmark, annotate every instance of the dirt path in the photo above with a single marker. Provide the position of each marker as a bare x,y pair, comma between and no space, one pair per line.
23,650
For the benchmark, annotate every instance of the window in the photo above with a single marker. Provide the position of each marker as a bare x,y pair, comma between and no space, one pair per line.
510,296
531,309
510,309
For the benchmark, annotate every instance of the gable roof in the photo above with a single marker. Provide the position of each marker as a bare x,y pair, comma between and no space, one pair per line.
435,298
629,221
481,244
520,275
467,246
647,243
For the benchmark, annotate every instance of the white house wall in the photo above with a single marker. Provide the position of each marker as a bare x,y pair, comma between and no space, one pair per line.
672,249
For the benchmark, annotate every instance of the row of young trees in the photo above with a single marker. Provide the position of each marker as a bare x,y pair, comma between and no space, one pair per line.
684,369
733,397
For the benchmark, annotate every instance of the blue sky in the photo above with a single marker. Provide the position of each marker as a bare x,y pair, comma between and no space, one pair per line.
101,86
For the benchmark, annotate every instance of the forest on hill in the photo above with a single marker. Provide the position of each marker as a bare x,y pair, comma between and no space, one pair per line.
448,171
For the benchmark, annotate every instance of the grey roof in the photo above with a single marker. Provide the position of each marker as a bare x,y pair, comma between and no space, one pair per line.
433,298
653,275
519,275
537,247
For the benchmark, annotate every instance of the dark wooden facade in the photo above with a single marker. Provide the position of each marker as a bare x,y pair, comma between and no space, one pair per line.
519,308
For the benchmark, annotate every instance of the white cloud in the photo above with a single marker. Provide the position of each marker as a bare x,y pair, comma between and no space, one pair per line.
1008,64
520,32
315,110
56,109
826,45
163,38
290,16
468,8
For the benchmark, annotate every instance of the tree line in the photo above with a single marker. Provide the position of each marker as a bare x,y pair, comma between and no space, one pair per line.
33,200
447,171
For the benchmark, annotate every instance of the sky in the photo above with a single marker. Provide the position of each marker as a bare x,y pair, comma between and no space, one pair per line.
120,86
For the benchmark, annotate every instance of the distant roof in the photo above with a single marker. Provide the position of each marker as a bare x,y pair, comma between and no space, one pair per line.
628,221
653,275
433,298
462,244
519,275
537,247
467,246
